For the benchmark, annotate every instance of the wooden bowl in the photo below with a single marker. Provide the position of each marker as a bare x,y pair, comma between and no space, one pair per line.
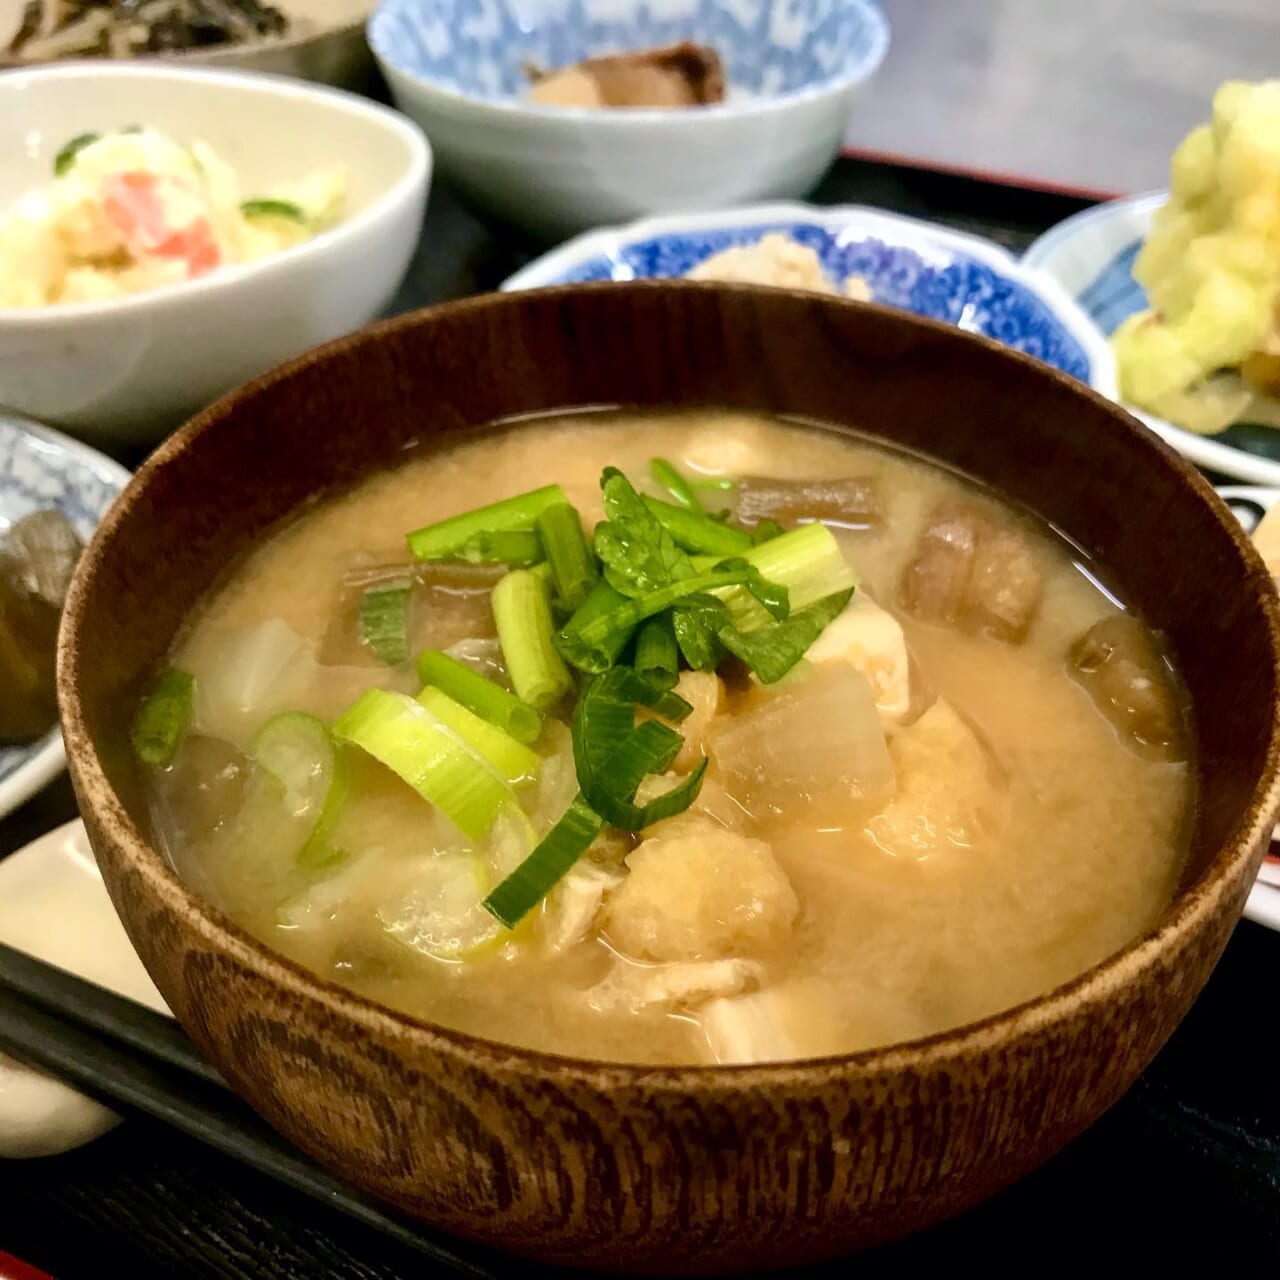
708,1169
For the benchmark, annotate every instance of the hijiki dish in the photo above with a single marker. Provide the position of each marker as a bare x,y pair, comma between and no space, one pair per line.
687,737
51,29
132,210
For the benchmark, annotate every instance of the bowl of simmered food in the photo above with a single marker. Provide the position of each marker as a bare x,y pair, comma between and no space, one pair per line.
674,776
560,119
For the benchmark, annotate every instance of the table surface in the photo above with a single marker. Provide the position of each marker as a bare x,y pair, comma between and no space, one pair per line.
1186,1168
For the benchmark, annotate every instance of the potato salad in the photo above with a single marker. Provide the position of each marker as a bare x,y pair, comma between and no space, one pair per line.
134,210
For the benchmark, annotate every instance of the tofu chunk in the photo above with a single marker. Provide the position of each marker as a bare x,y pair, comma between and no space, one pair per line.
671,987
786,1020
701,893
871,641
948,789
572,908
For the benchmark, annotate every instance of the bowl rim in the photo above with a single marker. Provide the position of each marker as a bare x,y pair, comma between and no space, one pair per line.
548,269
512,108
414,177
1177,924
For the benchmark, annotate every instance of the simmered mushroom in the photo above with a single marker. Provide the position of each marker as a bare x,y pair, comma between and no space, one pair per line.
1117,662
37,558
969,572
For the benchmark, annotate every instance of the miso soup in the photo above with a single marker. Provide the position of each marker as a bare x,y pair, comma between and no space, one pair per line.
674,738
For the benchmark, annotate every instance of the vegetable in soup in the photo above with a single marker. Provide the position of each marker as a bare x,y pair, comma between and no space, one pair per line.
674,738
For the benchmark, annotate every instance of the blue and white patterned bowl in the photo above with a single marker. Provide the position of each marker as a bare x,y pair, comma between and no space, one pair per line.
40,468
794,67
1091,256
918,266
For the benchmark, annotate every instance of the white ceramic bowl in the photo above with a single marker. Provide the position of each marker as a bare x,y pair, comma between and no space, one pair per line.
794,68
325,43
129,369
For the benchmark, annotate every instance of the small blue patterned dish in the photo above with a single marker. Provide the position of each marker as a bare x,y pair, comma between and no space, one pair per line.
793,70
41,468
918,266
1091,256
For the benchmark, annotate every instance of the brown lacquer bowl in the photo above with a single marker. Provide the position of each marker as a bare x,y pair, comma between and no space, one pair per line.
696,1169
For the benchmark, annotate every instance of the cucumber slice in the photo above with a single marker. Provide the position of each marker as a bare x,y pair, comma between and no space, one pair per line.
273,209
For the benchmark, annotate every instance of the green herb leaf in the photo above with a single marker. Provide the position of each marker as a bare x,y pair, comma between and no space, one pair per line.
638,554
65,158
697,622
773,595
772,651
592,644
163,718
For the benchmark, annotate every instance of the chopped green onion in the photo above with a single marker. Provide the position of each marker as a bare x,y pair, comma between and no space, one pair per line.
589,645
445,538
602,601
512,759
384,620
807,561
674,483
613,754
163,718
436,763
573,568
697,532
65,158
488,700
717,484
297,751
522,614
773,650
543,869
657,657
517,547
272,209
697,623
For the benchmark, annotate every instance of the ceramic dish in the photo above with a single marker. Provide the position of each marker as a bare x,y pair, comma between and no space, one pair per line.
1091,257
325,43
129,369
53,906
794,72
919,266
1249,505
40,468
696,1169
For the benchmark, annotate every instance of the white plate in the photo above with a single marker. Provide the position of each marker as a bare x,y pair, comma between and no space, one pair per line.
1090,256
54,906
42,468
919,266
1246,504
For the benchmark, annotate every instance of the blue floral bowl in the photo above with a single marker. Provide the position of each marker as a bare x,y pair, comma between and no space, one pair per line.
793,67
920,267
40,468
